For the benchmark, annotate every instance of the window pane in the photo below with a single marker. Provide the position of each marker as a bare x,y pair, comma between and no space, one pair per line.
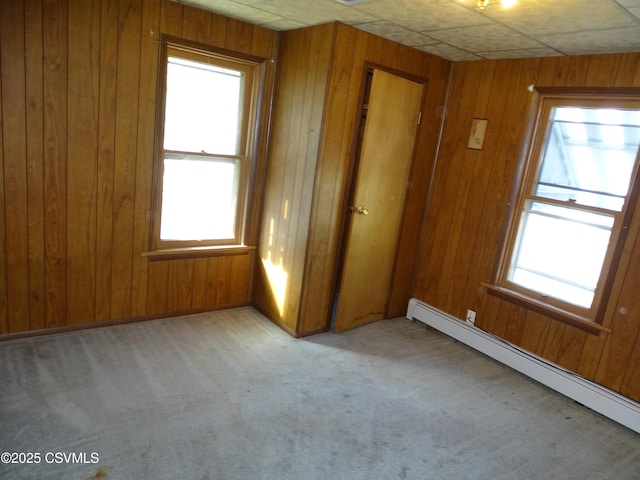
199,198
203,108
560,251
589,156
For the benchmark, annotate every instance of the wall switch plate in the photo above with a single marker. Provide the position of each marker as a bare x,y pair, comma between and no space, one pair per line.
471,317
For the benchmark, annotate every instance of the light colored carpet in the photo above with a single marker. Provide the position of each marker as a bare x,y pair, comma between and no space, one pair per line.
228,395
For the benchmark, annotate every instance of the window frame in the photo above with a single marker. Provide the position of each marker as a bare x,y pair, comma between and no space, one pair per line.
538,130
253,68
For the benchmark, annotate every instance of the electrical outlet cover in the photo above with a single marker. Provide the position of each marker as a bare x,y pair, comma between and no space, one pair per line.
471,317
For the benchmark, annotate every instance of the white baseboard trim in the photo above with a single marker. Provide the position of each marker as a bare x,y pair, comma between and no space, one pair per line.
592,395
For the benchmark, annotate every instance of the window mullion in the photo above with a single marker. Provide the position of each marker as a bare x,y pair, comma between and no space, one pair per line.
213,156
572,205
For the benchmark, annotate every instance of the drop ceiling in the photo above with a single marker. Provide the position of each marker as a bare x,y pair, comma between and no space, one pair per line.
456,29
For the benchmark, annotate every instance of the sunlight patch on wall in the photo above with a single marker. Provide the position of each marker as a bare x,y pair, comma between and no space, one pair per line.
276,274
277,277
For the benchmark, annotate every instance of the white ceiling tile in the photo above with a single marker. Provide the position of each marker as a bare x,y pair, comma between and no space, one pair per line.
635,12
629,3
396,33
284,24
313,13
421,15
596,41
456,29
447,51
485,38
522,53
235,10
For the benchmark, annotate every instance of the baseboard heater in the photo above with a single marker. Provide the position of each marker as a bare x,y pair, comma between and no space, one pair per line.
596,397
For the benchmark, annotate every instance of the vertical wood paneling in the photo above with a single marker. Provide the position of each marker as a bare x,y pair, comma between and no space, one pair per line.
145,153
211,286
218,30
223,280
4,316
570,349
578,71
617,353
180,285
340,118
157,291
489,186
449,198
299,99
127,98
15,171
311,161
469,193
513,328
418,193
199,293
562,71
82,153
602,69
197,24
240,278
54,14
554,338
626,361
534,332
77,127
106,158
630,385
263,43
427,279
35,167
453,266
172,18
231,34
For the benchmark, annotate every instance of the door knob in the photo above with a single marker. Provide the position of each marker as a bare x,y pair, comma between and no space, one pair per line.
360,210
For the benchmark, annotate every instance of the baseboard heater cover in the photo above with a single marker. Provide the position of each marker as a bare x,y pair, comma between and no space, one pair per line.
592,395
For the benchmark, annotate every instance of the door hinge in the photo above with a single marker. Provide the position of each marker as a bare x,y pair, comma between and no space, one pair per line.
419,118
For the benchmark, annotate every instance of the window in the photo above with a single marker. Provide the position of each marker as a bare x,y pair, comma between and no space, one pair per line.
574,204
204,152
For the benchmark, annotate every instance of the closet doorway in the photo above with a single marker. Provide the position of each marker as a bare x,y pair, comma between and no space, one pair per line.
391,115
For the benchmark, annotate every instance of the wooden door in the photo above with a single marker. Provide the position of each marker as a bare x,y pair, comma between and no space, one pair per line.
378,201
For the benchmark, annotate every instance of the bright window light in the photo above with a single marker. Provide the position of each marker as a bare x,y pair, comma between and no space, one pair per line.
203,108
579,189
191,185
204,160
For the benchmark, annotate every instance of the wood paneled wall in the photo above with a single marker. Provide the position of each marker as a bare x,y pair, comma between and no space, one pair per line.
78,97
301,82
467,209
356,50
317,107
